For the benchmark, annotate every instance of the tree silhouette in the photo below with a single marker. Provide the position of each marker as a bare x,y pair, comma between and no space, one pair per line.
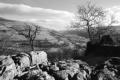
29,32
89,16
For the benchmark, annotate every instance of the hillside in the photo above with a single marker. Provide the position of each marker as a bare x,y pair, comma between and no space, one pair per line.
51,35
5,30
77,32
83,32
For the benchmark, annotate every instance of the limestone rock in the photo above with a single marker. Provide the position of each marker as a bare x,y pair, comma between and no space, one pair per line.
38,57
8,69
109,70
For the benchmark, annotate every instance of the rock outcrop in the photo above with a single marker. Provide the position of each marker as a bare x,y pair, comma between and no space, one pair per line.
8,69
35,66
109,70
20,64
38,57
22,61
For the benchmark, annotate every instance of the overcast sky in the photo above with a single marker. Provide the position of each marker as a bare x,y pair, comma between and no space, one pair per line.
54,14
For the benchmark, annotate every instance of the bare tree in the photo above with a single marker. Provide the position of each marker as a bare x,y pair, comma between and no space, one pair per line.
89,17
29,32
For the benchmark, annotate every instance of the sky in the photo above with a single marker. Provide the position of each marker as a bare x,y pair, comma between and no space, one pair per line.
53,14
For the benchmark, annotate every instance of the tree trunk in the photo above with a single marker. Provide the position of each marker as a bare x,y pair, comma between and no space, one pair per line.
31,45
88,30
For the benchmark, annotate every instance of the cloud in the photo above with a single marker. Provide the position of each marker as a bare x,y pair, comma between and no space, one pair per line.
54,19
51,18
115,12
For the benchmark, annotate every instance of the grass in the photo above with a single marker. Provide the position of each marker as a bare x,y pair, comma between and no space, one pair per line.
55,52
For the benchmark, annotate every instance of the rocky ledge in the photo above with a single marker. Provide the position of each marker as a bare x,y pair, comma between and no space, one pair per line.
37,67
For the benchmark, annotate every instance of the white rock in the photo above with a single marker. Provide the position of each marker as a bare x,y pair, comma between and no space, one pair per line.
9,69
38,57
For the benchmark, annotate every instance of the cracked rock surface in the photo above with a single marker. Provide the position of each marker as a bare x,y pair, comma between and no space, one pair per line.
19,68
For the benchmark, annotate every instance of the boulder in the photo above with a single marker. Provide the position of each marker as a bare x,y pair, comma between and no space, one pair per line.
35,74
61,75
81,75
63,65
69,69
38,57
46,76
109,70
8,69
22,61
54,67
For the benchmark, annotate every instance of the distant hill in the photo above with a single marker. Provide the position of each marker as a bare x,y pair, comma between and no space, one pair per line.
45,34
76,32
84,33
5,20
5,30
